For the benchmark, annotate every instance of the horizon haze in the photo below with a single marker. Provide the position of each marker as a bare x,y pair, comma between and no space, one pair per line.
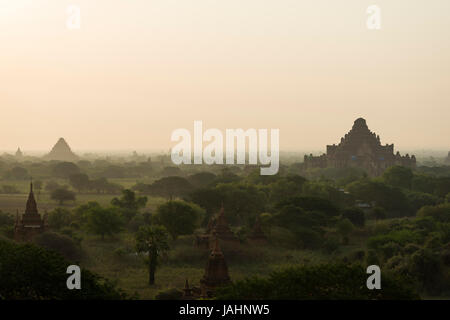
137,70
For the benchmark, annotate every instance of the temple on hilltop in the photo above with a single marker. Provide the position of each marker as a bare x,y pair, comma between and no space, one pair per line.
216,275
360,148
31,223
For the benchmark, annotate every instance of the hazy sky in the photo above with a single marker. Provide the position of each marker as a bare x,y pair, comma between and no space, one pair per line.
138,69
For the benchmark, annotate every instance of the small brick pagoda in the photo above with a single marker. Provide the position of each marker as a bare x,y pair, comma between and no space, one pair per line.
217,227
216,275
216,272
221,228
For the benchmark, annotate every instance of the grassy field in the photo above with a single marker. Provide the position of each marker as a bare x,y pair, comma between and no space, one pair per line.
12,202
184,261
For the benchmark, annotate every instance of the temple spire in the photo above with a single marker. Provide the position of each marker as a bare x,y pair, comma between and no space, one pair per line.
222,229
31,223
216,249
31,207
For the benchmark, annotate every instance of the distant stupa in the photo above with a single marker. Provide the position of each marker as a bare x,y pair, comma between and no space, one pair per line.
61,152
19,153
447,160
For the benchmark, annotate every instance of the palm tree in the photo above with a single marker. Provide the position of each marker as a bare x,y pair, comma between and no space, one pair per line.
152,240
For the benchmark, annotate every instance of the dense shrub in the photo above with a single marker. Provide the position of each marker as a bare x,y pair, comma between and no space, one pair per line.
171,294
355,215
6,219
439,213
33,273
400,237
323,282
62,244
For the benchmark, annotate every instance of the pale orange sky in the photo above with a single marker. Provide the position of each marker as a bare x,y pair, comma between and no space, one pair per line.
139,69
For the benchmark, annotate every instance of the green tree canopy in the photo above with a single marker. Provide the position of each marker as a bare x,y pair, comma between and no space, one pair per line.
202,179
81,213
103,221
179,217
62,194
59,218
129,204
242,201
79,181
129,201
355,215
169,187
386,196
419,199
312,204
17,173
439,213
33,273
286,187
65,169
398,176
344,227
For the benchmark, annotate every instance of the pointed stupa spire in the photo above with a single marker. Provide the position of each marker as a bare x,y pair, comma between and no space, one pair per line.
216,271
187,291
360,123
31,208
221,228
216,249
31,223
19,153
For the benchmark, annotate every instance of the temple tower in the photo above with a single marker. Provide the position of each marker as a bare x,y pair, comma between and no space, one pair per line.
19,153
216,272
187,292
31,223
360,148
221,229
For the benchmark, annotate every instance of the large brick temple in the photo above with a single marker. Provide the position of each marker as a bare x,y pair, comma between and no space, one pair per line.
361,148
